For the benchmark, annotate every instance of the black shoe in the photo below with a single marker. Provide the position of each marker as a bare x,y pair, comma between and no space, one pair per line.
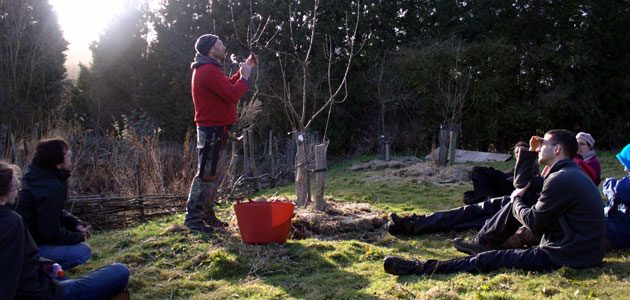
198,226
392,228
471,247
216,223
400,225
398,266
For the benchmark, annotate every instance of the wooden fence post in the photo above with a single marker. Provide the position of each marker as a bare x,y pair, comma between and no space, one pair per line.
252,154
246,157
270,155
453,142
320,175
139,184
443,146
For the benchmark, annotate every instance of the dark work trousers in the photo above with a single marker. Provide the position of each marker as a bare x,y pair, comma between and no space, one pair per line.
490,182
532,259
212,143
503,224
464,217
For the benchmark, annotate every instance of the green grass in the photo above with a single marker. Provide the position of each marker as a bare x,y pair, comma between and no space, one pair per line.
168,262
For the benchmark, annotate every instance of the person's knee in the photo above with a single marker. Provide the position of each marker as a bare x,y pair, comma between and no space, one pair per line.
121,272
84,253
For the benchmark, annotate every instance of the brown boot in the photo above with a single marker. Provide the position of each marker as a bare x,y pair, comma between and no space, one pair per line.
210,218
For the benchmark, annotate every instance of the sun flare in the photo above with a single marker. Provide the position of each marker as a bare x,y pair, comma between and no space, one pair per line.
82,21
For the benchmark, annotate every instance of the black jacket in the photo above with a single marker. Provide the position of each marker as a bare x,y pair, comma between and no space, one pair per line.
41,201
21,277
569,214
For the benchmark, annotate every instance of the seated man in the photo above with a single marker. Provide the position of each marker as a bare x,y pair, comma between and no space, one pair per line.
568,215
617,217
23,277
58,234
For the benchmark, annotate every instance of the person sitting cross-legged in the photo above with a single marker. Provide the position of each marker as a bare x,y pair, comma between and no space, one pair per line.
59,234
568,215
617,215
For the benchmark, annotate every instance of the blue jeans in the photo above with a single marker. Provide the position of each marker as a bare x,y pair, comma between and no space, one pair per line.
68,256
102,283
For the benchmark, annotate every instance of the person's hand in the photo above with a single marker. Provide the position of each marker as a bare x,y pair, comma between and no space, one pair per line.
518,193
252,60
246,70
84,230
534,143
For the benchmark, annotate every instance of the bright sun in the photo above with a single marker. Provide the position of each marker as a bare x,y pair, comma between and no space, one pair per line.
82,21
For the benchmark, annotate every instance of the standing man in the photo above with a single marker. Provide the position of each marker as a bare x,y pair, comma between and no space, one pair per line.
215,97
568,215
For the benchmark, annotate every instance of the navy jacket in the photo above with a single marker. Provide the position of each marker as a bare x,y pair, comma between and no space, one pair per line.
21,277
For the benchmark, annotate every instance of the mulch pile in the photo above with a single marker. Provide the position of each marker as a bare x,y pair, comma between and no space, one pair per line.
411,168
340,221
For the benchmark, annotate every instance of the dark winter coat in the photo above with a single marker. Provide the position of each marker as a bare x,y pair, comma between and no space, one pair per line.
21,277
569,214
41,201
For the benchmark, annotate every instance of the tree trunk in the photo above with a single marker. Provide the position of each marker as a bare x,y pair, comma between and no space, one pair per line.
271,155
301,173
320,175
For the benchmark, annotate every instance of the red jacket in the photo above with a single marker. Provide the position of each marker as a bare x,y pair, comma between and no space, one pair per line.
215,95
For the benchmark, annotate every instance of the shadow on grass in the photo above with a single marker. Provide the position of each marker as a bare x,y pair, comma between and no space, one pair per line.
306,269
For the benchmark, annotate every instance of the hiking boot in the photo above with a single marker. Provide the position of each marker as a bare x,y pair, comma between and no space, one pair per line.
210,218
410,225
216,223
398,266
392,228
198,226
470,247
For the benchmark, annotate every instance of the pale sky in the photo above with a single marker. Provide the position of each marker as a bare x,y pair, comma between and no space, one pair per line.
82,21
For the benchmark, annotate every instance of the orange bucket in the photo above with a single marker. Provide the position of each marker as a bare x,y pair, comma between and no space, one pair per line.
264,222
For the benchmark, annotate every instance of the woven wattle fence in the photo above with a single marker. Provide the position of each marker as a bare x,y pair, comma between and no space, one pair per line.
119,212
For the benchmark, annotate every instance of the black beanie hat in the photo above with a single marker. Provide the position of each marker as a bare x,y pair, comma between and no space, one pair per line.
205,42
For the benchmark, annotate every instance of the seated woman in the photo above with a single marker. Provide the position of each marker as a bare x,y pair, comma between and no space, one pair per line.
586,150
58,234
23,277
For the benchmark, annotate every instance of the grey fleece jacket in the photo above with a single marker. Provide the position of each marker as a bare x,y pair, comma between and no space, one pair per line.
569,215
